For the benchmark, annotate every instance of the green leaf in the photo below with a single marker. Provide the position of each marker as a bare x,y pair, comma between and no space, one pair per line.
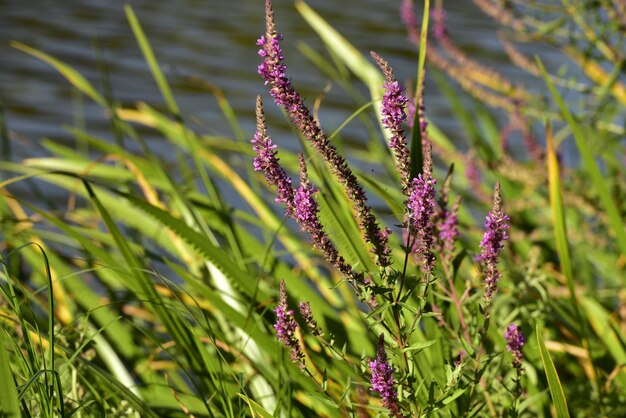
558,213
601,323
417,163
68,72
560,230
587,156
148,54
217,256
419,345
556,390
353,59
256,409
9,406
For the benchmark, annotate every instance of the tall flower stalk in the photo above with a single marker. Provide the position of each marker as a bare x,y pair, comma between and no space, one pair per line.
286,327
273,72
300,203
393,116
307,314
449,231
383,381
420,191
496,226
267,162
515,340
421,208
306,214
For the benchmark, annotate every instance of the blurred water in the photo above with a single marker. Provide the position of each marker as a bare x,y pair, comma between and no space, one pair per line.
211,39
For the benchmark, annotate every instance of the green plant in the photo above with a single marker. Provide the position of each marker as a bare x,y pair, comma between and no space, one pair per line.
150,294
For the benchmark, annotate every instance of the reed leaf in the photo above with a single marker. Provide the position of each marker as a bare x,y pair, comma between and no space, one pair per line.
9,406
556,390
600,185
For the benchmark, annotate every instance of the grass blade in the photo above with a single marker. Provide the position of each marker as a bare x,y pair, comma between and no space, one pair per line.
605,327
556,390
416,134
73,76
9,406
599,183
148,54
558,216
215,255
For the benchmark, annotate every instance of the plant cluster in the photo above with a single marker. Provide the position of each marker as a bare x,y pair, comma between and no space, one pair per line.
451,283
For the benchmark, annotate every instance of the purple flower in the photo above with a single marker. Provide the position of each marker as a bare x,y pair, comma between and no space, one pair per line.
394,114
267,162
306,214
394,103
286,327
383,381
421,207
448,230
307,314
438,16
472,172
407,14
272,70
515,340
493,242
300,203
306,208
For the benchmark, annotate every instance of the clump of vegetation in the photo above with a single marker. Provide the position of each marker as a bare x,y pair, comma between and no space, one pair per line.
453,283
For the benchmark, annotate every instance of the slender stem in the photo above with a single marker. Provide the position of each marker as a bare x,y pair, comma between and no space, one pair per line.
459,310
409,245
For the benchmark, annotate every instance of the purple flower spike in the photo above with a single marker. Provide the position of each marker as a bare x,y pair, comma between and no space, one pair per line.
421,207
305,213
394,115
267,162
273,70
438,15
515,340
286,327
300,203
307,314
407,14
448,230
383,381
493,242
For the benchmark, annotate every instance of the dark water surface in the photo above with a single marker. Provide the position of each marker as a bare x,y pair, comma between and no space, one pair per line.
211,39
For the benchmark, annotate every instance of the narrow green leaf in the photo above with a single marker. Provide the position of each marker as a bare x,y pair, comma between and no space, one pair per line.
560,233
587,156
9,406
218,257
416,134
351,57
148,54
601,322
113,386
143,287
255,409
556,390
73,76
119,334
558,216
419,345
